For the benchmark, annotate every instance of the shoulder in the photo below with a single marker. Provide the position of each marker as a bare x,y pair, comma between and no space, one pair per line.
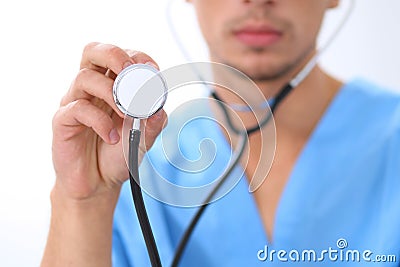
380,108
376,97
375,110
371,106
371,91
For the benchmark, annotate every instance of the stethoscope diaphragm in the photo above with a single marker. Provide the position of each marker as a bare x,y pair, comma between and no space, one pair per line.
140,91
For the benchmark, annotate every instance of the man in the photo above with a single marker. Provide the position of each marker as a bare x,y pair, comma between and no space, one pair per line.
332,185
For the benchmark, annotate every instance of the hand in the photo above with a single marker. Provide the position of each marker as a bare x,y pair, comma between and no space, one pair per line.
87,148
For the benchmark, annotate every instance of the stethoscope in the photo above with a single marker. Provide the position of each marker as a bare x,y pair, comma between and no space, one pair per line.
140,91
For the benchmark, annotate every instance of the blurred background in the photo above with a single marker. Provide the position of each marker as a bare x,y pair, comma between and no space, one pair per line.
40,49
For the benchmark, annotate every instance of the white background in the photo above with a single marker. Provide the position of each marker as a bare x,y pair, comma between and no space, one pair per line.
40,49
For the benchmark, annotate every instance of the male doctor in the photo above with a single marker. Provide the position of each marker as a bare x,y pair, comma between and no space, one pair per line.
335,175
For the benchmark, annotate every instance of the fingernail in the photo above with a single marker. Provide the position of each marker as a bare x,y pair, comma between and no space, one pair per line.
158,115
127,64
161,118
152,64
114,136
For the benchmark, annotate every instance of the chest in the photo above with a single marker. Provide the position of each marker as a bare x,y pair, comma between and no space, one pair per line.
272,179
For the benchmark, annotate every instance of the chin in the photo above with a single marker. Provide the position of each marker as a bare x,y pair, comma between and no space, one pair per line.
260,64
257,71
255,64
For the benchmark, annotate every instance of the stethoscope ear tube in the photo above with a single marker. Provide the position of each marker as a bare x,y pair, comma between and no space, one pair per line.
276,101
280,96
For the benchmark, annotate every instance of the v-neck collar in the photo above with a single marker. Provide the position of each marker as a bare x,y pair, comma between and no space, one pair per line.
290,190
285,207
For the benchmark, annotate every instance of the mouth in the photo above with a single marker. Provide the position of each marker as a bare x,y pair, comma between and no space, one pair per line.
257,36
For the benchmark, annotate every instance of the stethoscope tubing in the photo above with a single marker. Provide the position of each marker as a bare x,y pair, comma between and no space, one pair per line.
144,222
189,230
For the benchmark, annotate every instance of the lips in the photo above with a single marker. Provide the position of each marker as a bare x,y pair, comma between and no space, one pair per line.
258,35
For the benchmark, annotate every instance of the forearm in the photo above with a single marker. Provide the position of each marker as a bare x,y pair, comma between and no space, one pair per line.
80,231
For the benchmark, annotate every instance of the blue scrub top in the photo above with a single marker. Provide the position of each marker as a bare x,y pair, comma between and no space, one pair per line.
340,207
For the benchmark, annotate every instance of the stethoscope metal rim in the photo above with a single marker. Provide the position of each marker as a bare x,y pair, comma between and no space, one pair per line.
123,74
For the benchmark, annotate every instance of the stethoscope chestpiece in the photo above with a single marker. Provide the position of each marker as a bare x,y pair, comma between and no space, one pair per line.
140,91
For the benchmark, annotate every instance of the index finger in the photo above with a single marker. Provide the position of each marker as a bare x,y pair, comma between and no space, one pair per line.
102,57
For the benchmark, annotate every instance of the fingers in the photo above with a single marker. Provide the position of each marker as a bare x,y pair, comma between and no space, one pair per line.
90,84
101,57
140,57
99,66
80,114
137,57
153,127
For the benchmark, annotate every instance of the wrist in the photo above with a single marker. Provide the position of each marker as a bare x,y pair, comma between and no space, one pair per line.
103,199
80,230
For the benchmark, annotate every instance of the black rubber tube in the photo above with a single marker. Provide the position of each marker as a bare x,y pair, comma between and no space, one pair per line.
134,140
189,230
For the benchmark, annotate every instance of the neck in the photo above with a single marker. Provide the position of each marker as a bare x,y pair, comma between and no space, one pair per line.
304,106
301,110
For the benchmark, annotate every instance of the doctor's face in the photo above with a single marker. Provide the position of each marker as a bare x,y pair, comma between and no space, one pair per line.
264,39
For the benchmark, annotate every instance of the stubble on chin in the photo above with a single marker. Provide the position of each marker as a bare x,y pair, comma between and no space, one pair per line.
260,72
